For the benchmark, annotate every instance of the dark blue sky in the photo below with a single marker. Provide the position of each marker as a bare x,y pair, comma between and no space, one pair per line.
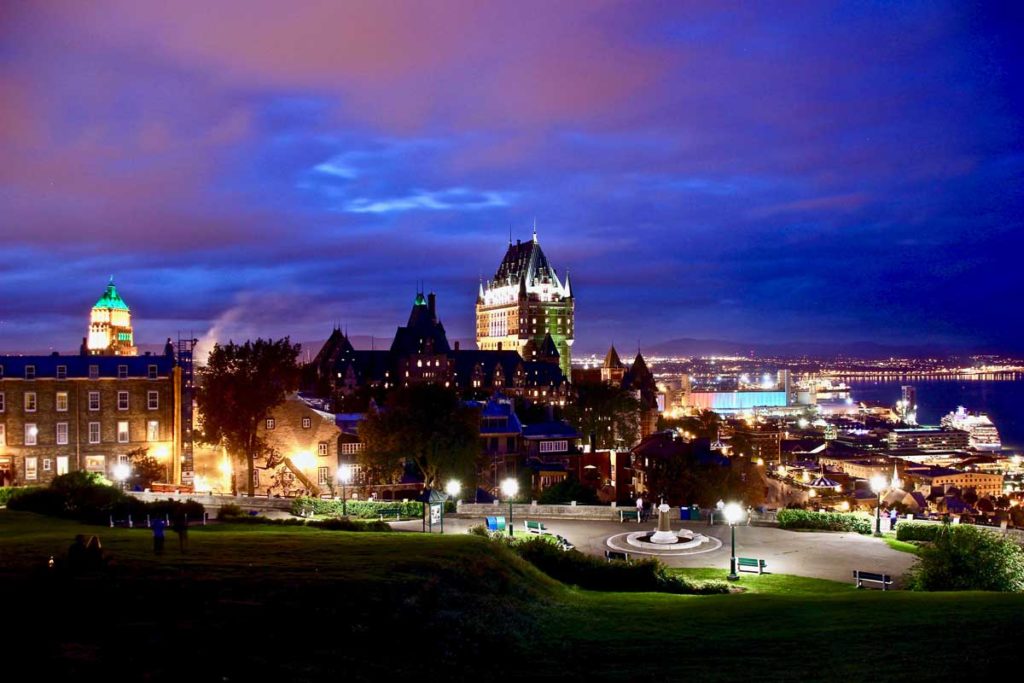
757,171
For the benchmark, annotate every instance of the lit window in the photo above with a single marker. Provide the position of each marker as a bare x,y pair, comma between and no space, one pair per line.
31,433
62,402
30,402
122,431
153,430
122,400
62,433
94,432
94,400
30,469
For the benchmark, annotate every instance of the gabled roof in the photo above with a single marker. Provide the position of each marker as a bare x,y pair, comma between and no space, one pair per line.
525,262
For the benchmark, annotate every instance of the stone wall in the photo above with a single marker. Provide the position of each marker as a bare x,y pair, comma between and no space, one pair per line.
530,510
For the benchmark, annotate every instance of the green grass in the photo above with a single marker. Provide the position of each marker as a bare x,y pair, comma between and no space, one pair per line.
296,603
902,546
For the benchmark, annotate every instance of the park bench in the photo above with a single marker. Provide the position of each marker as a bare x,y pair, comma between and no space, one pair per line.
611,555
752,564
535,527
625,514
860,577
390,510
495,523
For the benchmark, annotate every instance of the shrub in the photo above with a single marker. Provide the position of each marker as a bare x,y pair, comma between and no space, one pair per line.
964,557
593,573
825,521
336,524
230,511
8,492
363,509
917,531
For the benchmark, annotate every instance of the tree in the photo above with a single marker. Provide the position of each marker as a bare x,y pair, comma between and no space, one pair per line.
609,412
238,388
964,557
145,469
568,489
427,425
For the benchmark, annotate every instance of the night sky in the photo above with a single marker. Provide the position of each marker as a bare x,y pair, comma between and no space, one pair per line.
807,171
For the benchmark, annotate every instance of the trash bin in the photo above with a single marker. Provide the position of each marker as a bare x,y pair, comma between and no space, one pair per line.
694,512
684,512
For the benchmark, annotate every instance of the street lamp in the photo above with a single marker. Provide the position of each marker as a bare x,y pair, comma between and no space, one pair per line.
509,489
344,477
733,514
878,484
452,488
121,472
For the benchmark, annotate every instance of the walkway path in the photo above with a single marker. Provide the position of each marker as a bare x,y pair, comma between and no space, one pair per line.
823,555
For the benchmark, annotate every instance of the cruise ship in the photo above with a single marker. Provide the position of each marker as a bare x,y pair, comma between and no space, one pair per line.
983,433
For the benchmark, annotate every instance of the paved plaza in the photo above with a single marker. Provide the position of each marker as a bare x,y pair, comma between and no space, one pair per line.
823,555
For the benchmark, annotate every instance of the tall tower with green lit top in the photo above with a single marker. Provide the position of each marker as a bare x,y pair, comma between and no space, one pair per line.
110,326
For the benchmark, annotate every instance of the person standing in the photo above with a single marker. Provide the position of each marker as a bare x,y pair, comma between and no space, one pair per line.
639,509
158,536
181,528
893,517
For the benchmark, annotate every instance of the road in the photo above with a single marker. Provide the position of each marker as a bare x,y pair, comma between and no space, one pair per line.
823,555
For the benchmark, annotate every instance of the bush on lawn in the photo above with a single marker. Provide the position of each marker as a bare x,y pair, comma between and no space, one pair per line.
230,511
336,524
964,557
363,509
592,573
8,492
917,531
824,521
89,498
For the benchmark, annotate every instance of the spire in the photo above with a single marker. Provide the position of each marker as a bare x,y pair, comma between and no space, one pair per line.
535,230
510,234
568,287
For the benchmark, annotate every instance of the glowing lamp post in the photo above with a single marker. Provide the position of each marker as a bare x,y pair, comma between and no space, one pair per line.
878,484
733,514
121,472
452,488
344,478
509,489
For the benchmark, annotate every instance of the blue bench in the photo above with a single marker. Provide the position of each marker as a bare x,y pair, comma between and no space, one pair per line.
751,564
860,577
495,523
625,514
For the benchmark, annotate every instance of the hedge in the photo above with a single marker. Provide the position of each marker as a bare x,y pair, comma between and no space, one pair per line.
964,557
8,492
824,521
362,509
917,531
337,524
82,496
593,573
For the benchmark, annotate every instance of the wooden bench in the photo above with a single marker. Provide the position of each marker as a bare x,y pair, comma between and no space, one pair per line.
615,555
535,527
495,523
751,564
860,577
388,511
625,514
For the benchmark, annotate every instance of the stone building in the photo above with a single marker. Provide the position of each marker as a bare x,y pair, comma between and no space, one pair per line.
526,308
61,414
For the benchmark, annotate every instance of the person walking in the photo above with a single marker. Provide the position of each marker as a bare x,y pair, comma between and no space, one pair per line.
893,517
181,528
639,509
158,536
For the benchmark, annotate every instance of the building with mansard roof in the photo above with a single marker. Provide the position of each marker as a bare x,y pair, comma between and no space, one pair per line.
110,326
421,352
526,307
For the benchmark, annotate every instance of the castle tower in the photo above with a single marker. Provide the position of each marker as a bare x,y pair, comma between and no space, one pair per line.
110,326
524,303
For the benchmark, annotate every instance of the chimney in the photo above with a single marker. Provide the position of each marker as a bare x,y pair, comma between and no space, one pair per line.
499,346
84,349
456,344
432,304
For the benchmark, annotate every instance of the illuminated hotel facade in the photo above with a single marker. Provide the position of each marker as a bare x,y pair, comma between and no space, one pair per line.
526,307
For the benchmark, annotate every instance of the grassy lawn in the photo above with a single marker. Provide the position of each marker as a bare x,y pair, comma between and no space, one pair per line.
294,603
902,546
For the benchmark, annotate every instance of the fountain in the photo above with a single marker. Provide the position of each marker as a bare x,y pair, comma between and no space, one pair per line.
664,541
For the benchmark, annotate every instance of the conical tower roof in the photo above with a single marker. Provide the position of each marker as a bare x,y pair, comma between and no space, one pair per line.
612,360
